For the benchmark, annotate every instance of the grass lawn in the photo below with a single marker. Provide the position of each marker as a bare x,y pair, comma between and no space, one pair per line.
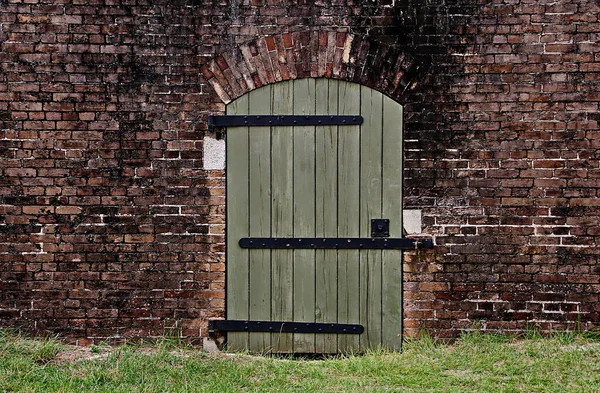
477,363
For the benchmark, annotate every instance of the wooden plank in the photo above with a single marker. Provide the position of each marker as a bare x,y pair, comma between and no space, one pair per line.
260,217
370,207
237,224
348,207
304,213
326,213
392,209
282,216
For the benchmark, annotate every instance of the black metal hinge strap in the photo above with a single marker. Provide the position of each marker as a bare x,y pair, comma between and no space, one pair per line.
282,120
224,325
335,242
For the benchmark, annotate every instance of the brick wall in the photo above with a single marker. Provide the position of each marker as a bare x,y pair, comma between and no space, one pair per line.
110,228
502,157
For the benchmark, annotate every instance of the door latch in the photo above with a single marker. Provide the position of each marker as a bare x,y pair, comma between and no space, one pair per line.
380,227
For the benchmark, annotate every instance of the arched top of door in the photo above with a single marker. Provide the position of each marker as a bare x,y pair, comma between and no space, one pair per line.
313,54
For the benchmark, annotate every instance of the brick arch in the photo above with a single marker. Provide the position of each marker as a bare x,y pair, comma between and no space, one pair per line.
315,54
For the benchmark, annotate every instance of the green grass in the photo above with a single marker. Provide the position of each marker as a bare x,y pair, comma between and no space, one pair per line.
479,362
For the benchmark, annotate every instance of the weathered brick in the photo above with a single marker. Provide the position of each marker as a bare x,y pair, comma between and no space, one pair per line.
140,238
20,172
65,19
101,130
68,210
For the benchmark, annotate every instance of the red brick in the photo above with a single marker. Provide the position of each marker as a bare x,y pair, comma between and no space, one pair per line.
68,210
141,238
287,40
20,172
270,43
66,19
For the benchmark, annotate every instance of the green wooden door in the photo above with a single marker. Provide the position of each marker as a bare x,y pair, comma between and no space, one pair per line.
314,181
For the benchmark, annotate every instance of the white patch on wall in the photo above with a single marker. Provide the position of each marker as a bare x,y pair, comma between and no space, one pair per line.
214,153
412,221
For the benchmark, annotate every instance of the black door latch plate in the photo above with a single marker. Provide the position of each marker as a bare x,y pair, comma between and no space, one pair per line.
380,227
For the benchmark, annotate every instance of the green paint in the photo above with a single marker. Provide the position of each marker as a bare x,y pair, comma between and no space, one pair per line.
304,212
282,218
237,224
308,181
260,217
326,213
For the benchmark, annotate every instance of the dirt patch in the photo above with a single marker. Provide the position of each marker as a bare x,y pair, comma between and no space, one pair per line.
74,354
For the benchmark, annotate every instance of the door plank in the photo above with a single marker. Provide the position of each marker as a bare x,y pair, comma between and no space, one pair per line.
370,207
260,218
237,224
348,220
392,208
304,213
282,216
326,213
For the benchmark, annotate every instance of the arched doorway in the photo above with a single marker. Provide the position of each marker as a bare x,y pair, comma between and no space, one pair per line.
323,183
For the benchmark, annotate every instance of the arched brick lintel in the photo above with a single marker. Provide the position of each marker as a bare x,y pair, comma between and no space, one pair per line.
315,54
